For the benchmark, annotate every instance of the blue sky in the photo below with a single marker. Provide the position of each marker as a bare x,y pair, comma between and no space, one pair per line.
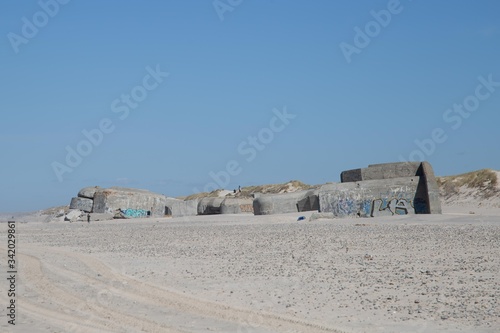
233,66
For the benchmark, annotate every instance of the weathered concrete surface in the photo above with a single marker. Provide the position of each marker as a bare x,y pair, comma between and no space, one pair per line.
88,192
427,188
208,206
73,215
370,198
431,187
286,203
112,199
109,201
309,202
381,171
81,204
178,208
236,205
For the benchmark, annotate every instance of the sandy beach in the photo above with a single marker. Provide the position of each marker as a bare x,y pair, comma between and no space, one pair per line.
245,273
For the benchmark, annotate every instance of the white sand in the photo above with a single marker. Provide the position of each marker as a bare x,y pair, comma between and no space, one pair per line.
472,201
244,273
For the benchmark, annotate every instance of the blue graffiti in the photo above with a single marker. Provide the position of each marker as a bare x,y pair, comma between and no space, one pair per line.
366,207
346,206
135,213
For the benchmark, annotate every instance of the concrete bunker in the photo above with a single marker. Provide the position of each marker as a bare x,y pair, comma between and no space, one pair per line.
210,205
178,208
383,190
299,201
131,203
236,206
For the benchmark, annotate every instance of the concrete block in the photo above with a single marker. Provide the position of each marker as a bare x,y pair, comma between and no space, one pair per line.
381,171
112,199
353,175
371,198
431,188
88,192
73,215
309,202
209,206
81,204
427,189
267,204
178,208
236,205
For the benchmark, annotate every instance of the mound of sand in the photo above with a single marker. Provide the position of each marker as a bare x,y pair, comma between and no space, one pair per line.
475,192
248,191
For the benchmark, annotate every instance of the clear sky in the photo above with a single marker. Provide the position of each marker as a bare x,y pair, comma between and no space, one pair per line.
261,91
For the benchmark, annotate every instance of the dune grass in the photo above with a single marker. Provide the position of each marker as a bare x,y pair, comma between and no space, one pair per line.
213,194
291,186
485,181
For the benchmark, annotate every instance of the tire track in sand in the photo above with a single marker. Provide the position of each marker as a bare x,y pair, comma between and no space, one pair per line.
31,269
158,296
